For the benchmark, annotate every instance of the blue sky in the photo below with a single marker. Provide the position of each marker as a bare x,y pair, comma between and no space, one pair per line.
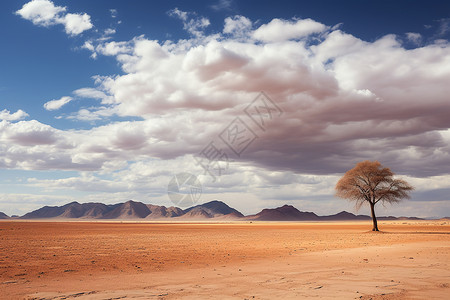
142,89
57,66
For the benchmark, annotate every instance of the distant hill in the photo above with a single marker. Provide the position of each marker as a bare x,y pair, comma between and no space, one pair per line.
230,217
70,210
283,213
133,210
197,213
3,215
344,216
48,212
128,210
161,212
95,210
213,210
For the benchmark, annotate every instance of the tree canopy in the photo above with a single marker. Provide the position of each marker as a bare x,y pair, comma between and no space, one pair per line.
370,182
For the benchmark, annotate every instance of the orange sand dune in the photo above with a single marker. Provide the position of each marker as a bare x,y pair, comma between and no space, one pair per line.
108,260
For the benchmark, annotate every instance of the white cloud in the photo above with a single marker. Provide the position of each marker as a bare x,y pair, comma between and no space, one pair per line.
341,110
58,103
93,114
238,26
344,100
110,31
113,12
76,23
222,5
191,23
25,133
85,115
114,48
45,13
8,116
279,30
94,94
444,26
41,12
21,203
89,46
337,44
102,47
327,85
182,15
414,37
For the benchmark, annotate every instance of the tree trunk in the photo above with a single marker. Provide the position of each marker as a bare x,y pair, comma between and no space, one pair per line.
374,219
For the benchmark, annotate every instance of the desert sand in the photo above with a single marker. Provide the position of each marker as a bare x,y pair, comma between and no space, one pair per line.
127,260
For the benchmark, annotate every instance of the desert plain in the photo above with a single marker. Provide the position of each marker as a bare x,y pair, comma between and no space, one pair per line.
228,260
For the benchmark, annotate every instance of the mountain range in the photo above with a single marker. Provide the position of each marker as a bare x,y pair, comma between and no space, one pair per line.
214,210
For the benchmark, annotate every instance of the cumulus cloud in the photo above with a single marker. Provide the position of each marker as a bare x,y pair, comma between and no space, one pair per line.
28,133
333,100
238,26
343,100
279,30
45,13
31,145
8,116
58,103
41,12
76,23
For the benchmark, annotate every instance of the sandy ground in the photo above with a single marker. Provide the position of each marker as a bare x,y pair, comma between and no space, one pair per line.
100,260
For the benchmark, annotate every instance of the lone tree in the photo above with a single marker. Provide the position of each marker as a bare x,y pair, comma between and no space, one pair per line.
370,182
